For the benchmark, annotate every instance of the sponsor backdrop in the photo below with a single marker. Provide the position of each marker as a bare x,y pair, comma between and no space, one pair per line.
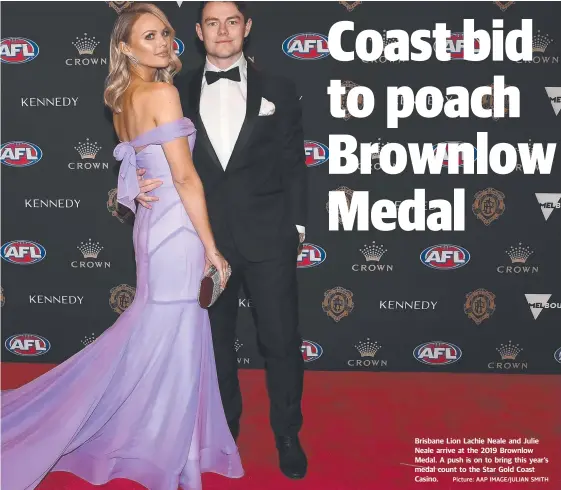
484,300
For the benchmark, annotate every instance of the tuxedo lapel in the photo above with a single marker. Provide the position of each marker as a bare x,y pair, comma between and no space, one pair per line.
253,103
194,105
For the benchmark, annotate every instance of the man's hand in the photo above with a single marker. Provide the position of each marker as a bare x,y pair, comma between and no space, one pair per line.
146,186
301,242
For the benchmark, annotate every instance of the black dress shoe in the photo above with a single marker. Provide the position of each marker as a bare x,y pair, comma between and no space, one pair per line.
292,459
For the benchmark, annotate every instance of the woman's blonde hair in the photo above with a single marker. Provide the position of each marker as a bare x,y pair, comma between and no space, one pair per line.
119,76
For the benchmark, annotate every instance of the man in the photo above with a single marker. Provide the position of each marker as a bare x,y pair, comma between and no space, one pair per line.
249,154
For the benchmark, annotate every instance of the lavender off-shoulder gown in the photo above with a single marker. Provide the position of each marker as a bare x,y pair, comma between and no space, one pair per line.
142,401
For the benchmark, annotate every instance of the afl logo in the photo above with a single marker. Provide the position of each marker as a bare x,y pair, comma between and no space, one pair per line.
455,46
306,46
445,257
18,50
27,344
20,154
310,256
557,355
178,46
23,252
460,153
316,153
311,351
439,353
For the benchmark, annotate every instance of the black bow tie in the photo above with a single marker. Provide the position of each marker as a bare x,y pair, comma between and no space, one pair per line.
232,74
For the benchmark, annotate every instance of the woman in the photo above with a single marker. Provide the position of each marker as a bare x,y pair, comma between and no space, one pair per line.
142,401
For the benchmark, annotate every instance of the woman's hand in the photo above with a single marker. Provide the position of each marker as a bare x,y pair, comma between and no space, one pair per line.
215,258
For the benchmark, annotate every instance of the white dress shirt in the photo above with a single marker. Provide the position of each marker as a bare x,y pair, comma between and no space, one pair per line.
222,109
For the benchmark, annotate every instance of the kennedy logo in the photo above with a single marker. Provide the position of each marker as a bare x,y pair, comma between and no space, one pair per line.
88,151
18,50
338,303
49,101
479,305
539,302
488,205
90,251
518,254
407,305
20,154
548,203
554,94
42,299
367,350
52,203
373,254
245,303
508,352
86,47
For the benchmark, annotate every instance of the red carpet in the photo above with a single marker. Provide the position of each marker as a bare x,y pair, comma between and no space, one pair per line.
359,429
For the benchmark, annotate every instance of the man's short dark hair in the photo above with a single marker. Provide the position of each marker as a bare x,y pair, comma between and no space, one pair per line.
241,6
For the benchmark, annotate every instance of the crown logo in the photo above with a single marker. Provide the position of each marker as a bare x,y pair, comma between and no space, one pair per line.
85,45
509,351
237,345
540,43
373,252
381,144
90,250
519,254
88,150
367,348
88,340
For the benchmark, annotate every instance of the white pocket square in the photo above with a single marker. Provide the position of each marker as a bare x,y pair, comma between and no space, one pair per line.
267,108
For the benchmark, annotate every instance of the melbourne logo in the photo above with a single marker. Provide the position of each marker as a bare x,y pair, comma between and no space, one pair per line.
518,255
310,256
311,351
27,344
20,154
85,46
338,303
445,257
539,302
508,352
437,353
367,350
479,305
178,46
306,46
18,50
122,213
90,251
88,151
488,205
460,154
554,94
23,252
373,254
548,203
316,153
121,297
455,46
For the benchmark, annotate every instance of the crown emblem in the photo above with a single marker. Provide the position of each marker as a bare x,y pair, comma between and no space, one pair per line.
90,250
367,348
85,45
373,252
350,6
504,5
509,351
381,144
540,43
88,340
237,345
519,254
87,149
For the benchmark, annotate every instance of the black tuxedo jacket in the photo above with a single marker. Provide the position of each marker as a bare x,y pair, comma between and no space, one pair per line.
255,204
